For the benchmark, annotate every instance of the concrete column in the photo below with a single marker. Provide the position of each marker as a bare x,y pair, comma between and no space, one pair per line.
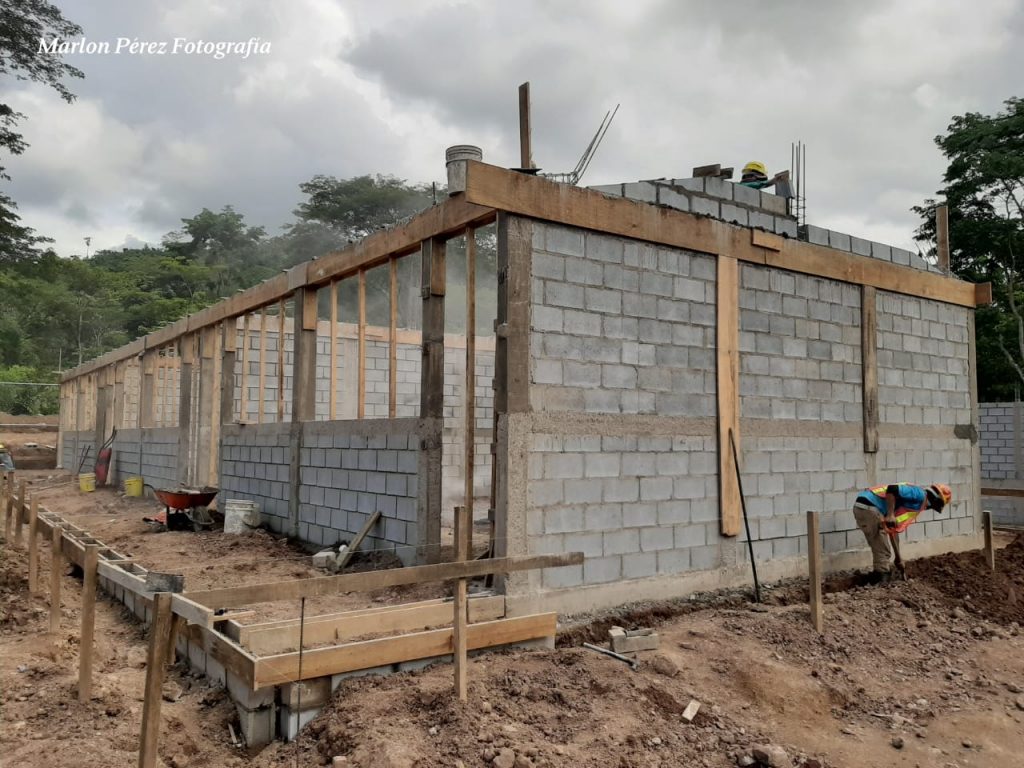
428,532
102,394
147,390
186,352
303,391
207,394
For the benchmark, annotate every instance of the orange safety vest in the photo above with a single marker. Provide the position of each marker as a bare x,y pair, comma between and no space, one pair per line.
904,516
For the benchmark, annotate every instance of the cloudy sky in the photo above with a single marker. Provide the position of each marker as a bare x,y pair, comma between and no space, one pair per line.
361,86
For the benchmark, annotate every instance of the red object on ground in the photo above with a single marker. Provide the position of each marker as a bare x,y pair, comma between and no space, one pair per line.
103,465
186,499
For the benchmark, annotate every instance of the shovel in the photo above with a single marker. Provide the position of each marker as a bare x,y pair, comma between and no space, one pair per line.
901,567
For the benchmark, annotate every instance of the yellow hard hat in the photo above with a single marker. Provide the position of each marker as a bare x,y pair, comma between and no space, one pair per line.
753,165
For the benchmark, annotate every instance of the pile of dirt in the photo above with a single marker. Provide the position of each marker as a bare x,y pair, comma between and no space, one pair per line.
965,580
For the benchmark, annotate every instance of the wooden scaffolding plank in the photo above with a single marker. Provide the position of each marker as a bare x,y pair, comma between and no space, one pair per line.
280,359
346,626
371,580
263,358
319,662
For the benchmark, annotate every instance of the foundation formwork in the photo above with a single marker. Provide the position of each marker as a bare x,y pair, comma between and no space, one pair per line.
635,329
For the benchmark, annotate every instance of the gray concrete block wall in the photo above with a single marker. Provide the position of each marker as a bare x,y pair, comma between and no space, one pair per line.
999,440
454,430
620,326
784,477
799,347
1006,511
637,506
151,453
350,469
74,445
923,375
254,465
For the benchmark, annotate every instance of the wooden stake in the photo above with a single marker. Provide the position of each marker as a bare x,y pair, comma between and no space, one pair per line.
463,543
33,547
263,356
354,545
470,453
280,360
990,549
19,511
334,350
393,342
85,643
7,500
56,571
525,133
814,570
942,236
362,344
155,663
243,408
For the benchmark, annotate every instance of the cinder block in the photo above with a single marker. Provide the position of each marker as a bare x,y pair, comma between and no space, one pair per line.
734,214
633,641
839,241
600,570
815,235
643,191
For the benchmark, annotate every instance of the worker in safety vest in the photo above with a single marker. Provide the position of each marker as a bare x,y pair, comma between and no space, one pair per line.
890,509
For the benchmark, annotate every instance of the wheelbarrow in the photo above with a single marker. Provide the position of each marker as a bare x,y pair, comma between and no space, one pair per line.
185,508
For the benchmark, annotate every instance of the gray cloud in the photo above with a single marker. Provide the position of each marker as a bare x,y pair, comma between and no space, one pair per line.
361,87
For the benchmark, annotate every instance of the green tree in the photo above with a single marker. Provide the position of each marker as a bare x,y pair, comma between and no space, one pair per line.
23,23
984,189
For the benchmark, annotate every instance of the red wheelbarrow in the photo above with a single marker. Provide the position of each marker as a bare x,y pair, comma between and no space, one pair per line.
186,507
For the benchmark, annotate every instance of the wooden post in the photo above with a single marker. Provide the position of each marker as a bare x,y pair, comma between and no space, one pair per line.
303,391
85,642
187,357
814,570
56,571
228,356
7,500
19,511
463,544
361,405
263,357
393,341
869,366
470,453
432,288
333,340
280,360
243,407
990,548
728,362
942,236
155,663
525,131
33,546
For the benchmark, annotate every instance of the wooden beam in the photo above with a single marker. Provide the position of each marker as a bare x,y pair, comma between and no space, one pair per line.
942,236
333,412
319,662
814,571
728,365
191,611
869,366
85,641
371,580
393,339
361,391
983,293
156,658
539,198
345,626
432,289
371,521
33,546
56,571
228,356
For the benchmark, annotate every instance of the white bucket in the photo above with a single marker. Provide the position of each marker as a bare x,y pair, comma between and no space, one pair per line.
241,515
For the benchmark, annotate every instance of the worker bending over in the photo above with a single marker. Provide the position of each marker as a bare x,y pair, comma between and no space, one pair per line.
891,508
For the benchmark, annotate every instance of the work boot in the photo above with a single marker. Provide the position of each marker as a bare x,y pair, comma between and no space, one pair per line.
876,577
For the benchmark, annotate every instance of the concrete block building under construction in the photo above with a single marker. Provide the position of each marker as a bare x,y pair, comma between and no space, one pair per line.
576,363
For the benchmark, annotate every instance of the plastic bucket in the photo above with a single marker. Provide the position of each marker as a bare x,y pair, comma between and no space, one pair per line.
87,482
133,486
240,515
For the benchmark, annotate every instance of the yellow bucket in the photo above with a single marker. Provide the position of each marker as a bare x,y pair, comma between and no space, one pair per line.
87,482
133,486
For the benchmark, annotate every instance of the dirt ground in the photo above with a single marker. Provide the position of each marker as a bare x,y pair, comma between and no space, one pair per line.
926,673
17,431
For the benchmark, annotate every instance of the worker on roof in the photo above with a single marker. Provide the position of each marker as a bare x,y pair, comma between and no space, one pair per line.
892,508
755,175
